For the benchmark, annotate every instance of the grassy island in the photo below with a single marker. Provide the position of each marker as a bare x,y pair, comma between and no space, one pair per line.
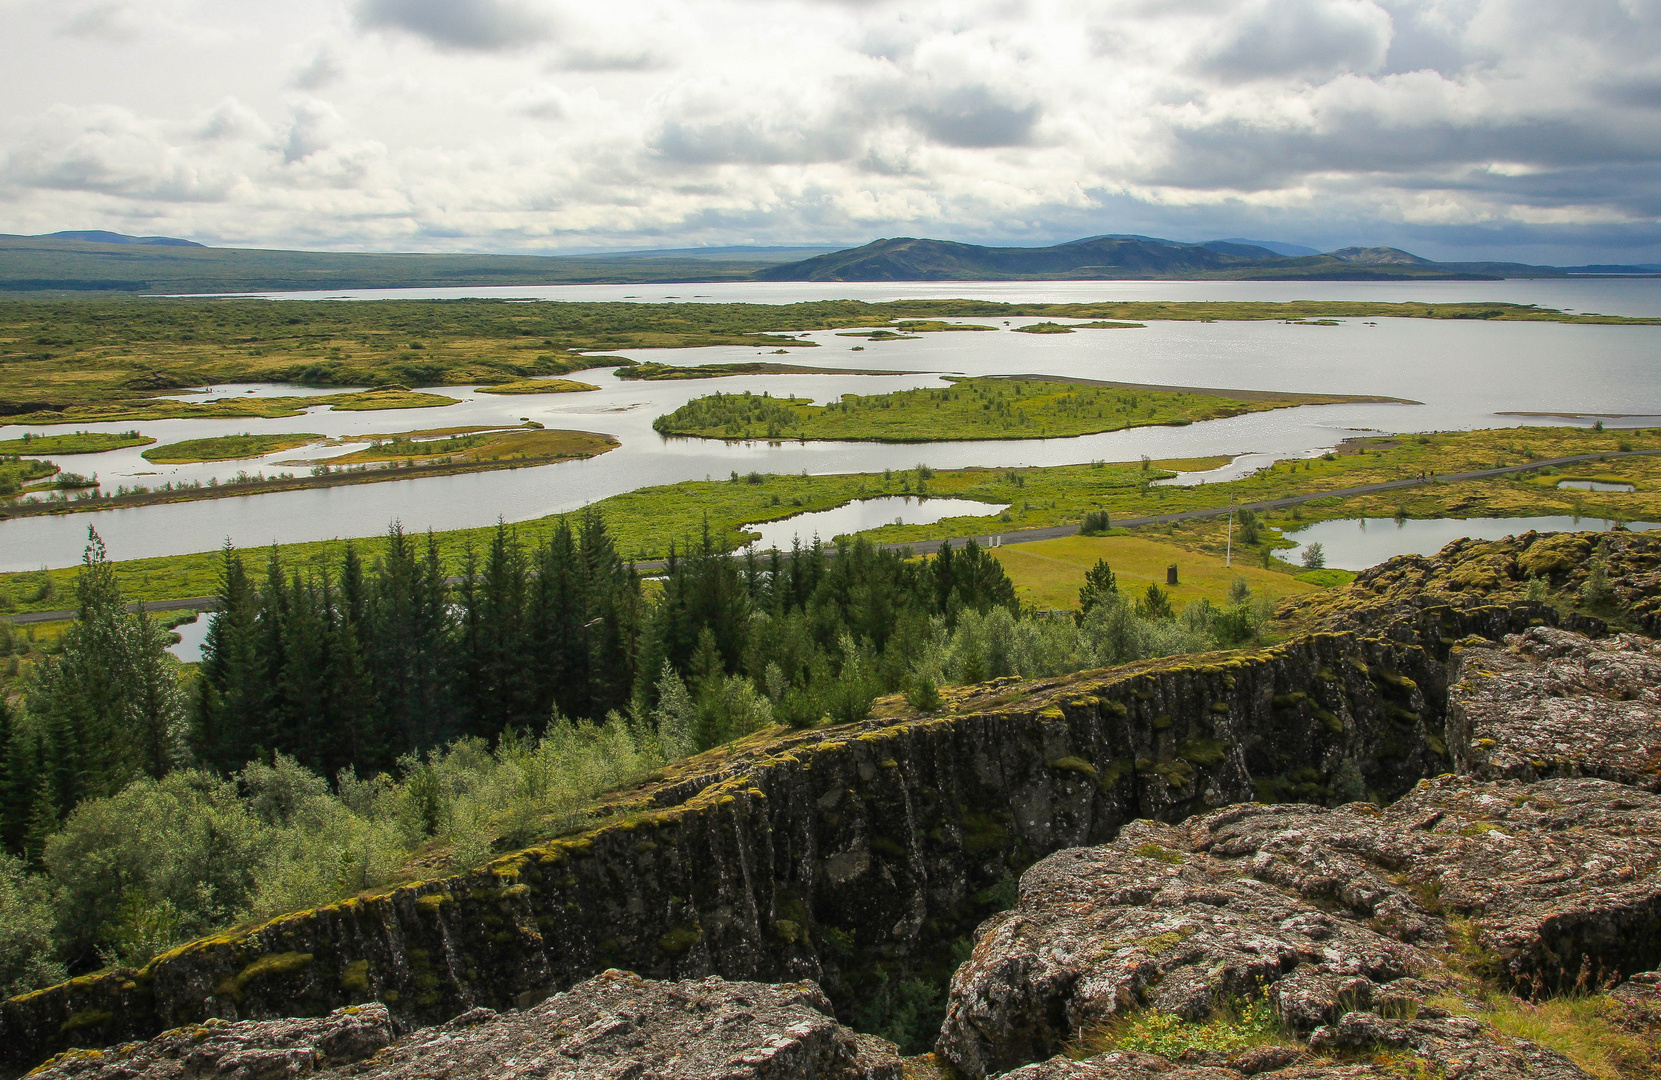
539,386
981,408
226,447
80,442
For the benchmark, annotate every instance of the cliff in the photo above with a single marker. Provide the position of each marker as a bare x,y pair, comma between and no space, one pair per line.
848,856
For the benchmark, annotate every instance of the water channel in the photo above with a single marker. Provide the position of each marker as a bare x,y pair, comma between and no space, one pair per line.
1466,374
1357,543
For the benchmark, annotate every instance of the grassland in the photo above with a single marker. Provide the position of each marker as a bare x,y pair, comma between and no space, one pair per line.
65,361
266,408
1049,573
512,444
80,442
226,447
668,372
539,386
989,408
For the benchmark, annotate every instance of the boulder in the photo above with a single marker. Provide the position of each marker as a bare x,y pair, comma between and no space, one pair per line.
616,1025
1363,928
1553,703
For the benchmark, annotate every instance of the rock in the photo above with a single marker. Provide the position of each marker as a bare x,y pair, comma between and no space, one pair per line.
1347,920
249,1050
1554,703
614,1026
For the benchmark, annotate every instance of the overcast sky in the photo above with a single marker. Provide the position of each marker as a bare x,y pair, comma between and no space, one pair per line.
1520,129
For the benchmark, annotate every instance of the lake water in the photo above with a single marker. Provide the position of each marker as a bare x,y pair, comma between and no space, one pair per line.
865,514
1357,543
192,635
1466,374
1595,485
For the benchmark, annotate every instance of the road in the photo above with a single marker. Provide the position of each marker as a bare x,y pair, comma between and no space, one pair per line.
1021,536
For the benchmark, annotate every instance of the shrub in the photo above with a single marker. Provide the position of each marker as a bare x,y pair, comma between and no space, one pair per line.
1155,603
27,956
1096,522
1596,592
1314,556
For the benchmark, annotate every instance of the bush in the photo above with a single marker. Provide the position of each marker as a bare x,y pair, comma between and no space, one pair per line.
1596,592
27,955
1096,522
1250,533
1314,556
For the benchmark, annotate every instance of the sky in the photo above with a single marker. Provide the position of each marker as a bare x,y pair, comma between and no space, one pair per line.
1525,130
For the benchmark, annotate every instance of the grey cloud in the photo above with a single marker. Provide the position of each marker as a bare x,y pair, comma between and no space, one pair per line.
109,21
1301,38
974,116
754,141
322,69
578,58
483,25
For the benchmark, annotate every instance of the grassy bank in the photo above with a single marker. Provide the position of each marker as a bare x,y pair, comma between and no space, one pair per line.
539,386
646,520
80,442
986,408
63,361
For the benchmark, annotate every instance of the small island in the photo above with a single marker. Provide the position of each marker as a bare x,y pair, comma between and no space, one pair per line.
1017,407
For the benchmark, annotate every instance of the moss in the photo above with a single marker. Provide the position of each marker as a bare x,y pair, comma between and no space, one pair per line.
1331,721
1203,752
1073,764
1219,706
882,845
790,930
677,941
1162,721
86,1018
983,834
1115,708
1116,770
1290,701
265,967
355,976
1160,852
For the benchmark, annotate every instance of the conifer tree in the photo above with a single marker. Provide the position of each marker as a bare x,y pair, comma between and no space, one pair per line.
223,731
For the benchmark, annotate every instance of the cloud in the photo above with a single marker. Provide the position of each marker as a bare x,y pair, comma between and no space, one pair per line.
111,21
1299,38
483,25
324,67
974,116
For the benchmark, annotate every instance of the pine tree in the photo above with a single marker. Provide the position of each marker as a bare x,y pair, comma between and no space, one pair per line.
223,730
1099,583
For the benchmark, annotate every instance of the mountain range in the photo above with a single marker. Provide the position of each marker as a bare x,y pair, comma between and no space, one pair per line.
81,262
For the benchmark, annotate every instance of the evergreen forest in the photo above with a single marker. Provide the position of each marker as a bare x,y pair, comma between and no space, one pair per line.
382,721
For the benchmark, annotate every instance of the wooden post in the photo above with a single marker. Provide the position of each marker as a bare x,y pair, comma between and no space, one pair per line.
1171,574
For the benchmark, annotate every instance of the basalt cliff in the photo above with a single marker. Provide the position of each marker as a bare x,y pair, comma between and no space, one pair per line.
1352,825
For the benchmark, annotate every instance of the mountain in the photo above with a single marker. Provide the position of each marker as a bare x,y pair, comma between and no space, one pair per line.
90,262
99,236
1126,257
1276,246
1378,256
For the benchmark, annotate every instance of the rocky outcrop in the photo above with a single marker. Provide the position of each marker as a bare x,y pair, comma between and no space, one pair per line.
1551,703
250,1050
612,1026
842,855
1390,597
1362,927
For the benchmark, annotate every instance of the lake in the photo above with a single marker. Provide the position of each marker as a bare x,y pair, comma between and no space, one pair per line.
863,514
1465,373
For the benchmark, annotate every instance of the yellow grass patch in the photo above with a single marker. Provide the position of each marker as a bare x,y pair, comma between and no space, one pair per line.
1048,573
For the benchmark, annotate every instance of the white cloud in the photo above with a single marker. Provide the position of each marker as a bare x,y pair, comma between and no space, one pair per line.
537,124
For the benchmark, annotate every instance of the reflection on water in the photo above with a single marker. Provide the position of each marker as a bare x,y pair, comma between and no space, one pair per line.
191,636
1595,485
867,514
1357,543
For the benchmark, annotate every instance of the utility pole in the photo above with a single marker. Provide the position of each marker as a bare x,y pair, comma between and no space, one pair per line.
1228,560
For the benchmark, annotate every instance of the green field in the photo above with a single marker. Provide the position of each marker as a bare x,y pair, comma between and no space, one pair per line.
227,447
971,409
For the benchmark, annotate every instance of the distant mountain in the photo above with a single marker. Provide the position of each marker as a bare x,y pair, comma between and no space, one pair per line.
1614,269
1378,256
99,236
1126,257
1275,246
